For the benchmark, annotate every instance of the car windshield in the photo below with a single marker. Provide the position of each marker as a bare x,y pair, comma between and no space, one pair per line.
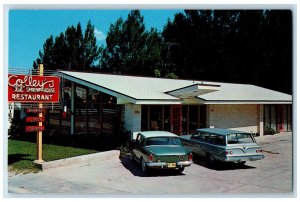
163,141
239,138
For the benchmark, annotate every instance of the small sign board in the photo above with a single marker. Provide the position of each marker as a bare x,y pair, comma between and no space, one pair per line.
34,128
34,110
31,119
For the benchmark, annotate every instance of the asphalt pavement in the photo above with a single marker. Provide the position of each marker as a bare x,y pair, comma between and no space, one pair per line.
118,176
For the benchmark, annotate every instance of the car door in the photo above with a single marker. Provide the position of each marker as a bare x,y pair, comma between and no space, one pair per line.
195,143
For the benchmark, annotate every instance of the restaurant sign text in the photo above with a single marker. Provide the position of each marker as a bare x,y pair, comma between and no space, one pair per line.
31,88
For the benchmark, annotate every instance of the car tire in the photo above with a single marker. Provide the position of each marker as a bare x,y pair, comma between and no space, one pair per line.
131,156
241,163
181,169
210,158
143,165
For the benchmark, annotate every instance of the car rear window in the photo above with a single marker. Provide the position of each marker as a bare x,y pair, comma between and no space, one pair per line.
163,141
239,138
217,139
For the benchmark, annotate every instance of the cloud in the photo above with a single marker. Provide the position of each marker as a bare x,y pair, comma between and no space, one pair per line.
100,36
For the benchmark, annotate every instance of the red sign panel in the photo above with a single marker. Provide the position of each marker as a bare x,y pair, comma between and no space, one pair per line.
34,110
31,119
34,128
30,88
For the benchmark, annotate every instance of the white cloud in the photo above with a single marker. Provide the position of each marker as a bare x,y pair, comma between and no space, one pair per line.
100,36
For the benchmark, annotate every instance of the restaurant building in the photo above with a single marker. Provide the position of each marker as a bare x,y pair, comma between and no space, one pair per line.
97,104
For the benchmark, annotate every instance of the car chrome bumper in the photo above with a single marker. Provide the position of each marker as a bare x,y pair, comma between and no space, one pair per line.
179,164
243,158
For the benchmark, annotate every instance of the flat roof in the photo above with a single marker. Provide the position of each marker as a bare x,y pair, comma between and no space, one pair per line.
219,131
148,134
148,90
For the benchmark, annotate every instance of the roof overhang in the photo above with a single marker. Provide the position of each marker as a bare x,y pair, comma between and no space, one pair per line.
245,101
121,98
193,90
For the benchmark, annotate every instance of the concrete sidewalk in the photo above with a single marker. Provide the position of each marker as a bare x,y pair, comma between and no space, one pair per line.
81,160
274,138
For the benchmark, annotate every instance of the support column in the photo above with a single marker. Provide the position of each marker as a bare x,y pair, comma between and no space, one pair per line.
87,111
198,116
148,117
261,119
208,122
188,119
101,113
73,108
133,117
163,117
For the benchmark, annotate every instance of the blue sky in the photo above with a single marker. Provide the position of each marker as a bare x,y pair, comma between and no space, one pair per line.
28,29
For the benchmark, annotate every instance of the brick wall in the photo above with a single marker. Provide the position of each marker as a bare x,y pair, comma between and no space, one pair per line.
239,117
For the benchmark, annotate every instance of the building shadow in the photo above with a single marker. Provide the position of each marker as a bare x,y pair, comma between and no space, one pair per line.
13,158
135,169
219,166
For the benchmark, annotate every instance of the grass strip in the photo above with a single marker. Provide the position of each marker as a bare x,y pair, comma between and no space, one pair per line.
21,155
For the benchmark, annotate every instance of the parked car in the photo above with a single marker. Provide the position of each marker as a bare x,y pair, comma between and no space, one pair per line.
159,150
223,145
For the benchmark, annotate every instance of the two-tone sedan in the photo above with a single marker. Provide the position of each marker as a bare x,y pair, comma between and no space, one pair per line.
160,150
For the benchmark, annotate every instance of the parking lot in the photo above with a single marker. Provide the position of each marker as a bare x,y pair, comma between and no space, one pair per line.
119,176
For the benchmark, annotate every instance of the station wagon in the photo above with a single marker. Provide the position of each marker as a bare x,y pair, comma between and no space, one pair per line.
223,145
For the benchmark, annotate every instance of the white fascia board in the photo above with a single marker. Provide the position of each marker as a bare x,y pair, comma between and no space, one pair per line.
246,102
158,102
192,101
122,101
101,89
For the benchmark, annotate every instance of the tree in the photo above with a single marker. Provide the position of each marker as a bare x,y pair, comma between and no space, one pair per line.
131,49
90,49
70,50
242,46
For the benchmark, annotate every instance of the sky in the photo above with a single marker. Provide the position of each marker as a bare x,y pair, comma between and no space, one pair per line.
28,29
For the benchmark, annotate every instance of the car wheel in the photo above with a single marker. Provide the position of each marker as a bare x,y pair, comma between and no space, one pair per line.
143,164
211,159
131,156
181,169
241,163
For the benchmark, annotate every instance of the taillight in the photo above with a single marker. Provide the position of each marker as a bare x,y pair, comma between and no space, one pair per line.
150,157
190,157
228,152
259,151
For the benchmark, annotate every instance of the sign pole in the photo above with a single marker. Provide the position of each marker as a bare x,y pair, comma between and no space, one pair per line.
39,142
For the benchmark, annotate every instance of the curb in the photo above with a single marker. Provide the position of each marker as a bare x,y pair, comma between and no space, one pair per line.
80,160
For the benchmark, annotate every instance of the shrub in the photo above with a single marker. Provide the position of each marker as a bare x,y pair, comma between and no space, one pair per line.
269,131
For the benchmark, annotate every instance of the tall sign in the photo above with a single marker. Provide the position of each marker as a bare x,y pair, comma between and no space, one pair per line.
33,89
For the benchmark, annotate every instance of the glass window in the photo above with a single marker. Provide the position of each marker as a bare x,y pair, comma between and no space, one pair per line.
239,138
196,135
163,141
217,139
204,136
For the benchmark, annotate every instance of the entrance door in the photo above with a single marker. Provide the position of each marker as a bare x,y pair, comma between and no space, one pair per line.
176,119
